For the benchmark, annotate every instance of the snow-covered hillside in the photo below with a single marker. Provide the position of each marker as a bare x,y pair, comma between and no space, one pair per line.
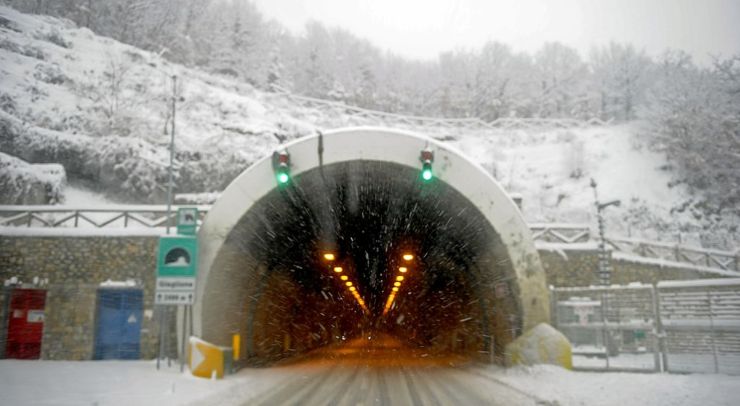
102,109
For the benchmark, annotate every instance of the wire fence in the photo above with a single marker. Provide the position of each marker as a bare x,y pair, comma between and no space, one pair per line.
674,326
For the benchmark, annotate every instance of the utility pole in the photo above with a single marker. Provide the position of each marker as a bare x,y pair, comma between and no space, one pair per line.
172,152
163,313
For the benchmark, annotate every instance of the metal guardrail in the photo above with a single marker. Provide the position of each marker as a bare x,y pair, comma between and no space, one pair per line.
661,252
701,257
114,216
674,326
560,232
152,216
507,123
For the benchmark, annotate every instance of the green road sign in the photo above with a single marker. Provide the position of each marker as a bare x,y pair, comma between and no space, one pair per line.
187,220
177,256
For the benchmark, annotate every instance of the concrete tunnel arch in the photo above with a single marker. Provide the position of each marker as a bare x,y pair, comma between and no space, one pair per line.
223,289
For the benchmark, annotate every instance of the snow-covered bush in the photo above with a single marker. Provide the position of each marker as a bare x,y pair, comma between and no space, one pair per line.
55,37
23,183
128,168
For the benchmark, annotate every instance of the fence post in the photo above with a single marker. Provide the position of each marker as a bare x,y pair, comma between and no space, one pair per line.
604,330
711,332
661,333
677,253
657,329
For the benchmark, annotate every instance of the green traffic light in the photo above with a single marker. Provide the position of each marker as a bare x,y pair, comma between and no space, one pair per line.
426,174
283,177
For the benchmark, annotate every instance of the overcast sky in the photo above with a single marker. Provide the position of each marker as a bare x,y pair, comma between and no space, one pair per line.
424,28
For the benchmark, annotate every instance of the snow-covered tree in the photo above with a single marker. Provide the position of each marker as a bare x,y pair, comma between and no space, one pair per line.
694,117
621,76
559,75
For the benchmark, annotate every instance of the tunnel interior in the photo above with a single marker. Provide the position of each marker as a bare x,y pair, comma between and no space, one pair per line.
280,280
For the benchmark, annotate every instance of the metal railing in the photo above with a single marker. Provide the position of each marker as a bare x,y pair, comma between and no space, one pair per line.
700,257
661,252
560,233
114,216
153,216
674,326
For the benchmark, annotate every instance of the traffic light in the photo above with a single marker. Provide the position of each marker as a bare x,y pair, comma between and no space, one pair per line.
427,157
281,166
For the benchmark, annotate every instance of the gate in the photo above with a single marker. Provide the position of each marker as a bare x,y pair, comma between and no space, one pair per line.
674,326
118,327
25,323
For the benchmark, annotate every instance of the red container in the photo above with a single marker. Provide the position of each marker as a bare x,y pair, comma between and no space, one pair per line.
25,323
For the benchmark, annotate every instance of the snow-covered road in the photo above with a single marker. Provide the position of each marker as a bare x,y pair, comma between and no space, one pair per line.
352,374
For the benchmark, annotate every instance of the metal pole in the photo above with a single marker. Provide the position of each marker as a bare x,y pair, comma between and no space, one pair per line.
161,332
190,322
167,348
657,330
712,333
184,332
605,331
172,152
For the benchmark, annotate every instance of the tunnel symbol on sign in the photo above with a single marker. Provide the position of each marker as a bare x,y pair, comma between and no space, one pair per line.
177,257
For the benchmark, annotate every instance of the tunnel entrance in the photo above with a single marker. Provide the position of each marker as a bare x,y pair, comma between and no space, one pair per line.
359,249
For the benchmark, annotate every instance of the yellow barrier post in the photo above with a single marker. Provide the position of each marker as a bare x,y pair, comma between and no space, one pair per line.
236,345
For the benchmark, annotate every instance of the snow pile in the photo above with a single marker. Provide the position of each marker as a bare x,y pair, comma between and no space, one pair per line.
24,183
128,283
540,345
197,198
606,389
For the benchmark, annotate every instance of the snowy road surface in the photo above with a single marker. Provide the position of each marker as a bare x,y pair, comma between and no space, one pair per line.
353,374
380,371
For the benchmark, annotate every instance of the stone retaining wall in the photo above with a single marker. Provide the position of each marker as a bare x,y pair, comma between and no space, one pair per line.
578,267
75,268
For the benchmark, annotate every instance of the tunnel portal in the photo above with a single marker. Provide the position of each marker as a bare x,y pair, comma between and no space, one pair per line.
361,246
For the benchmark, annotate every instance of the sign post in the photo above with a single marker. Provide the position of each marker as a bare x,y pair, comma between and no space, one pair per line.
177,260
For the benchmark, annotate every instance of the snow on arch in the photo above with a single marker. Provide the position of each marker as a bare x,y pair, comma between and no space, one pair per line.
393,146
